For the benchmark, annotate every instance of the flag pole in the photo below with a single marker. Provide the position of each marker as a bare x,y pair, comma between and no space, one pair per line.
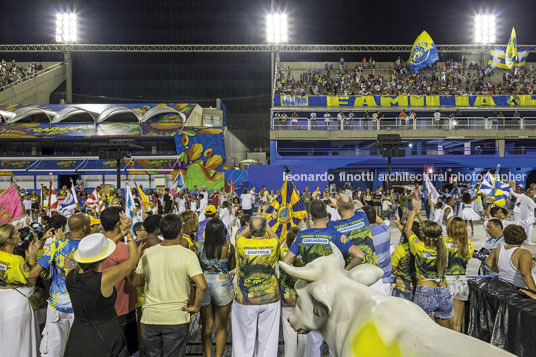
49,192
75,198
494,181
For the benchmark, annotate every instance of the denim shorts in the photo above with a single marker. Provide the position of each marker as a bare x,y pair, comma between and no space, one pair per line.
220,290
435,302
402,294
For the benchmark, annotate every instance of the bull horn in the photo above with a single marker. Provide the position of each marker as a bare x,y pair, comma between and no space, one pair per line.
337,255
308,273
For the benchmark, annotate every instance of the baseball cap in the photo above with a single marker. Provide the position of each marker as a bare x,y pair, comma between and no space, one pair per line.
93,221
210,210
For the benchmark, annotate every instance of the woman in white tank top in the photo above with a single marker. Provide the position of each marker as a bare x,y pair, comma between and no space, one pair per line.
513,263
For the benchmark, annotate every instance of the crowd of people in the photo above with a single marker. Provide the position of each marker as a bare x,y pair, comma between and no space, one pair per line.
12,73
93,281
445,78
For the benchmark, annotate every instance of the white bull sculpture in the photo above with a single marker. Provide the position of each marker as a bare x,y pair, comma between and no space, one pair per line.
356,320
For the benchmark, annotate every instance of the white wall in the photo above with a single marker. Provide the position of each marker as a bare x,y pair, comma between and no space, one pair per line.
235,150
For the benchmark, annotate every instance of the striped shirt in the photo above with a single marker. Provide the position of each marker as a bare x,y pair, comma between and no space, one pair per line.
381,236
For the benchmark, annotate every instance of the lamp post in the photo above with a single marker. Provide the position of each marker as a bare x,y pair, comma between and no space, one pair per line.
67,33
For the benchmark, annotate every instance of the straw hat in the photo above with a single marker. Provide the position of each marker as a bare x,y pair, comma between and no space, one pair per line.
94,248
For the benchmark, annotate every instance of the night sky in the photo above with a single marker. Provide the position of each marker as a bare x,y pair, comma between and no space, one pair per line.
239,21
241,80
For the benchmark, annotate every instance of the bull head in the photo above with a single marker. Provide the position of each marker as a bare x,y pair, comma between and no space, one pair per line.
313,291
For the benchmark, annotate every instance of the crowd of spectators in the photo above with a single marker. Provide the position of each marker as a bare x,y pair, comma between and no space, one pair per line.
445,78
203,251
12,73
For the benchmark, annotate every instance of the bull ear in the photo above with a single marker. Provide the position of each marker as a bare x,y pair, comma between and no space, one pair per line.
366,274
322,301
309,273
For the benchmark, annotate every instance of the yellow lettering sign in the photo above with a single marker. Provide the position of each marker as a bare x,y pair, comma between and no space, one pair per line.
401,100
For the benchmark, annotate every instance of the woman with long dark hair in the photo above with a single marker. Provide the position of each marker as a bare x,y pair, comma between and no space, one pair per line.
217,257
96,330
431,258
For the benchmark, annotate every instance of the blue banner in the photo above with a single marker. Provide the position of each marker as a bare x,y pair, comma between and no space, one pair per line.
405,101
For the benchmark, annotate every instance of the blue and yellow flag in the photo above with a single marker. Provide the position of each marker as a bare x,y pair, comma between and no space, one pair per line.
423,52
511,50
286,210
497,57
491,186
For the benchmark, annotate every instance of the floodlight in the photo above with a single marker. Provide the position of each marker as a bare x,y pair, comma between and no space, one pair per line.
484,30
430,170
66,28
276,28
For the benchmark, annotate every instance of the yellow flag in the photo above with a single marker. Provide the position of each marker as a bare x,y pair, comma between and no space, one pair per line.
143,197
511,50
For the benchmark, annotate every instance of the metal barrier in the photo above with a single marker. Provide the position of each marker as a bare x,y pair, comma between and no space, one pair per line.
397,123
32,76
528,123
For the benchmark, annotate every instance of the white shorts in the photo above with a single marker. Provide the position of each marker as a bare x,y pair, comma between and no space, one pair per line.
458,287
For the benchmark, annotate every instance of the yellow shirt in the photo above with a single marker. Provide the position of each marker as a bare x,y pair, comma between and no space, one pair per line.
457,262
257,282
403,266
425,260
167,272
13,269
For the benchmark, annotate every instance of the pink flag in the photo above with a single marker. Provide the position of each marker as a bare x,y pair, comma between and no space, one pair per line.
10,205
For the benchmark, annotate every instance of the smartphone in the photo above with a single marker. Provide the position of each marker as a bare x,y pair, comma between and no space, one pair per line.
392,217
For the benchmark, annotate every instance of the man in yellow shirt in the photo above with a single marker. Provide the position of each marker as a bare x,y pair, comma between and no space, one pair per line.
166,270
256,309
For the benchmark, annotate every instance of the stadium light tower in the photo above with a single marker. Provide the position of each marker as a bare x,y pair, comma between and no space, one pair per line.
66,28
276,33
67,33
276,28
484,29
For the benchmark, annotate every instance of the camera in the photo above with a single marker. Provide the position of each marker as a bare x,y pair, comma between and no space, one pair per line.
482,254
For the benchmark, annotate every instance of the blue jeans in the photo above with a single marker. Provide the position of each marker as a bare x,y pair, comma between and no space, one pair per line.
435,302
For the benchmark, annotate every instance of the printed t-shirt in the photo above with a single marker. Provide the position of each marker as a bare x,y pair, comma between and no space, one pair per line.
313,243
381,236
457,262
357,230
60,255
13,269
425,260
200,234
403,268
167,271
257,282
286,282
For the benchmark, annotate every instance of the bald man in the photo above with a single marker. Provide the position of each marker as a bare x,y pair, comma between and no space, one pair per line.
355,226
59,256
